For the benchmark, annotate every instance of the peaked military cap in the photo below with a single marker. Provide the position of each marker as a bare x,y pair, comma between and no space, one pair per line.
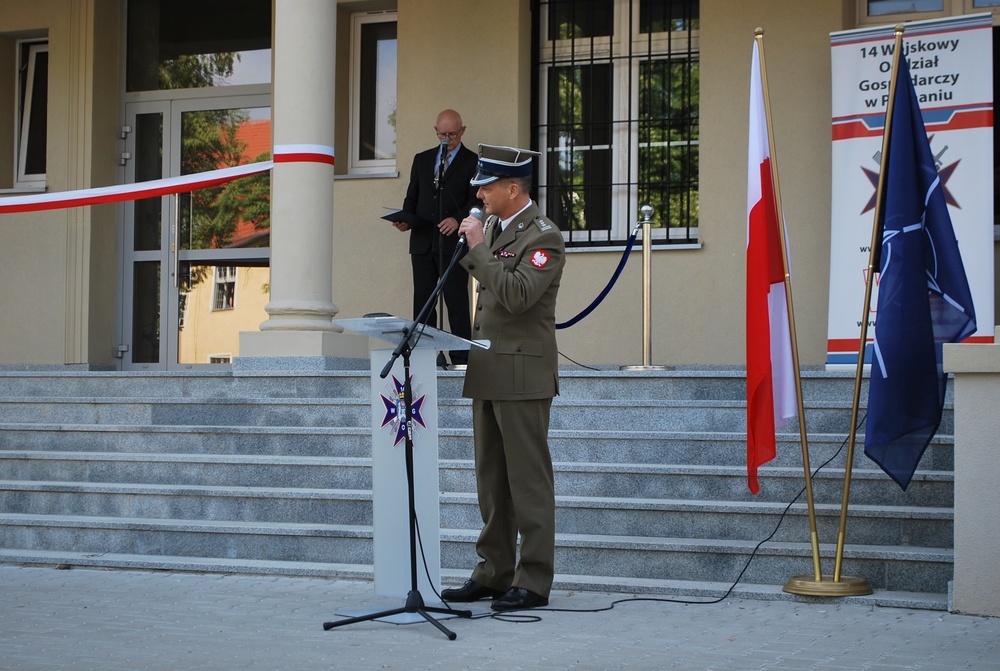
501,162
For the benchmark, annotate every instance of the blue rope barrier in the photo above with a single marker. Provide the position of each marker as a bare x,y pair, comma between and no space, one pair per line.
607,289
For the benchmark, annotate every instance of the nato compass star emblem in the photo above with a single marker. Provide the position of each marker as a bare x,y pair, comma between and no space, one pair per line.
395,410
945,174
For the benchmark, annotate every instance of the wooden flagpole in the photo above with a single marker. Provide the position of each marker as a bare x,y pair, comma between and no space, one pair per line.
794,584
873,253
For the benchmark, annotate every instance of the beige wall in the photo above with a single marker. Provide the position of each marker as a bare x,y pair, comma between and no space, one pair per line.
33,278
371,261
103,147
8,64
57,269
56,314
208,332
705,311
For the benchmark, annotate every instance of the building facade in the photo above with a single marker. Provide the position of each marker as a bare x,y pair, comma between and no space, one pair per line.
629,101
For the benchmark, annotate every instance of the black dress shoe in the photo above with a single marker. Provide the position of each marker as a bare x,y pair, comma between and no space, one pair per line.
470,591
517,598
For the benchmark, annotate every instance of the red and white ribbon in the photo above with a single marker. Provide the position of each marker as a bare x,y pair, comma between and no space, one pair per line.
287,153
303,153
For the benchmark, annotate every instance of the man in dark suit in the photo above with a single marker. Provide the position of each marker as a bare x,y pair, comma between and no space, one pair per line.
439,200
517,263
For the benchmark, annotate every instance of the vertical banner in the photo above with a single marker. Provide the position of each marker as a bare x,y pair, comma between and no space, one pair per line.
950,63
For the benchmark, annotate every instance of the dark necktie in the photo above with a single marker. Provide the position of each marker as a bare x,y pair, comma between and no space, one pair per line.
439,171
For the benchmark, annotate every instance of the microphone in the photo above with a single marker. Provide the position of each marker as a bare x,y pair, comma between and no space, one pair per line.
443,153
475,213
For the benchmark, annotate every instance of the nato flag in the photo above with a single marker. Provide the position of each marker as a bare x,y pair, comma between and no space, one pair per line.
924,298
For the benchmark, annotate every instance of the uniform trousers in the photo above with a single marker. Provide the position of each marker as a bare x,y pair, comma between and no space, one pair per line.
516,494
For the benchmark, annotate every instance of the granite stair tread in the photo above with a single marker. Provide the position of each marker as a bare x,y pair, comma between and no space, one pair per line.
640,587
138,470
214,490
219,526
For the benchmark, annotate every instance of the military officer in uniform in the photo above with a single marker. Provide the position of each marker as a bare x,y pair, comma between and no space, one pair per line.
517,260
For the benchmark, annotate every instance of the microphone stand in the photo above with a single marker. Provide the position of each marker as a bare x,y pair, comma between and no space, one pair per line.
439,186
411,330
414,600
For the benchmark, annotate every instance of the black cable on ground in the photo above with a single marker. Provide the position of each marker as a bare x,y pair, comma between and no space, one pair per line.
524,617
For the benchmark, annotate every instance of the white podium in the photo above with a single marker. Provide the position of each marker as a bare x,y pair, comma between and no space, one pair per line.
390,508
391,487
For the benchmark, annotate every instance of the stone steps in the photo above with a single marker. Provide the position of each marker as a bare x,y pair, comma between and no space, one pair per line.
272,473
635,516
682,590
573,384
640,480
612,415
595,445
609,556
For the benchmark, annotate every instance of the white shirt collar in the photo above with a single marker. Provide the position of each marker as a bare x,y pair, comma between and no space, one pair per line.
505,222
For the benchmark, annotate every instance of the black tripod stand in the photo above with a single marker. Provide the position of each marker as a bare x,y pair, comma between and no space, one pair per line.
414,601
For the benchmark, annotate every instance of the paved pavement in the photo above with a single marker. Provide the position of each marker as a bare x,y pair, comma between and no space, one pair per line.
163,621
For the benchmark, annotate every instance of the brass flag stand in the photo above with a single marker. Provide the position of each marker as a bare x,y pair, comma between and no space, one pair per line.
816,584
873,254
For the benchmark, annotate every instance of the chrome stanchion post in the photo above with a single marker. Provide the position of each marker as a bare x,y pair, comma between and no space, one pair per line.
646,212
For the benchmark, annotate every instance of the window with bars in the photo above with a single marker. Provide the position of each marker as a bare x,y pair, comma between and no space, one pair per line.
617,117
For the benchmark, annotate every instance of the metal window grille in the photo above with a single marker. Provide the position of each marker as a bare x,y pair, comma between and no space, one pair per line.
616,112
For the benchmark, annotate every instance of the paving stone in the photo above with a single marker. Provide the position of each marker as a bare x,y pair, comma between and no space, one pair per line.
162,621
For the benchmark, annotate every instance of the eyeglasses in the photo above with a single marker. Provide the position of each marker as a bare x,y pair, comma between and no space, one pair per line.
451,136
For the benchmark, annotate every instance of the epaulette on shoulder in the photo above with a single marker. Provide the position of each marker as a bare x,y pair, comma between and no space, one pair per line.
542,224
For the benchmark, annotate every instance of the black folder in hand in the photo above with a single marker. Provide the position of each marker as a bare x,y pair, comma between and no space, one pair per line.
409,217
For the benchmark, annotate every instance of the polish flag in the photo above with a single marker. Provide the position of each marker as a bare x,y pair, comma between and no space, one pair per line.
771,397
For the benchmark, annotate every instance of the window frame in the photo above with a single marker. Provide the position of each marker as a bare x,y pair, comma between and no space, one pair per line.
949,8
146,41
27,59
224,283
882,18
626,50
356,164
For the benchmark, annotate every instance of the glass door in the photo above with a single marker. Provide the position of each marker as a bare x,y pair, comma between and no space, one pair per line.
195,265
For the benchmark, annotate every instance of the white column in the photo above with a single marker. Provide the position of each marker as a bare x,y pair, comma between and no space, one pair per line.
301,306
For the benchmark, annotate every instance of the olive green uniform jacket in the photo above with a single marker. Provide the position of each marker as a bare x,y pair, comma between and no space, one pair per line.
512,385
518,277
